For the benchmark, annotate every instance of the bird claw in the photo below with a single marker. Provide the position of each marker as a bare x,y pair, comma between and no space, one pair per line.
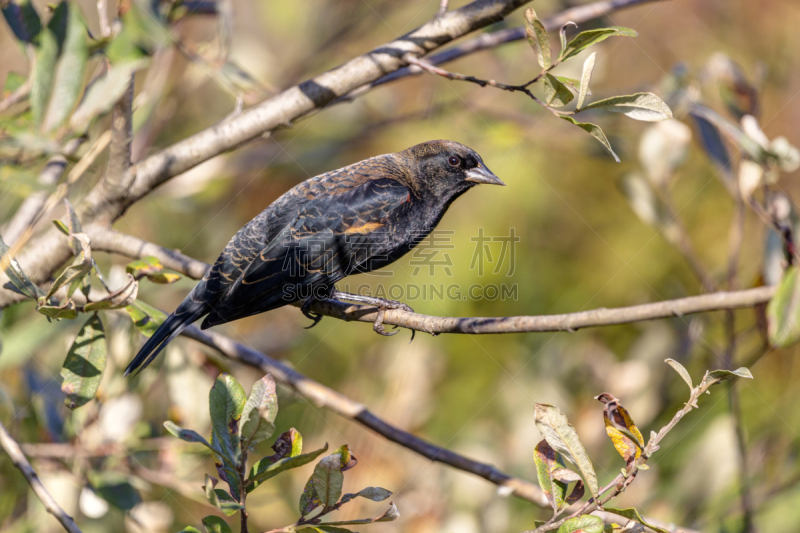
378,325
316,317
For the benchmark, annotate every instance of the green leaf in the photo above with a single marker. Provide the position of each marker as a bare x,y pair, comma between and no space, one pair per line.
144,267
783,311
682,372
14,81
582,524
563,438
633,514
122,297
85,363
219,498
390,515
585,39
70,71
115,489
65,311
146,318
309,499
640,106
260,410
288,444
226,402
717,376
215,524
547,460
282,465
570,83
595,131
50,41
188,435
562,34
164,278
556,93
189,529
72,273
376,494
538,39
19,280
586,77
103,93
226,466
328,479
23,20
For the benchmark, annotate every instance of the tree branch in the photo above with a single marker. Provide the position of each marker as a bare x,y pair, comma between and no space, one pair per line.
18,458
49,251
579,14
105,240
621,482
322,396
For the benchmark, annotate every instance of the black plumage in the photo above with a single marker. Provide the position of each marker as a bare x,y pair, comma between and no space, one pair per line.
355,219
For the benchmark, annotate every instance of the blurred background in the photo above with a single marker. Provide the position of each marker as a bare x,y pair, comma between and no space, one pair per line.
581,246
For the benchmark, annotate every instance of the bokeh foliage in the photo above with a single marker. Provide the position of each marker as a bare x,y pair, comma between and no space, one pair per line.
582,246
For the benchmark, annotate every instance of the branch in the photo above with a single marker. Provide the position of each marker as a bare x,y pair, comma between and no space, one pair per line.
618,485
113,242
22,464
50,251
579,15
433,69
322,396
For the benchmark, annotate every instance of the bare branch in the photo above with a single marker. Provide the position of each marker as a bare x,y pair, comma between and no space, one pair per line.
117,179
113,242
106,240
18,458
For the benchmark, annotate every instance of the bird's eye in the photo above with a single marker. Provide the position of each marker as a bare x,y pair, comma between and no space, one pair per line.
454,160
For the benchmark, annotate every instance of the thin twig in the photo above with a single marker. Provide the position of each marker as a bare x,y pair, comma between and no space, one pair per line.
622,481
18,458
428,67
735,246
110,241
486,41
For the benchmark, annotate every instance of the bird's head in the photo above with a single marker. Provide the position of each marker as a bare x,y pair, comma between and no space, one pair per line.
447,167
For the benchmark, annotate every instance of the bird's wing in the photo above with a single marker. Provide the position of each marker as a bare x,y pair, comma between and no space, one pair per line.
331,237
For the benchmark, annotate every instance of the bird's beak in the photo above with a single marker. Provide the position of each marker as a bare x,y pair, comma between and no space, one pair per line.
482,174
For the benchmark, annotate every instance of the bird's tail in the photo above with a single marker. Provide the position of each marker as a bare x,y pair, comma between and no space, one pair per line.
184,315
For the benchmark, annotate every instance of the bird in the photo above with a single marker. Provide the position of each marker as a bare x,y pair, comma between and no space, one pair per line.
356,219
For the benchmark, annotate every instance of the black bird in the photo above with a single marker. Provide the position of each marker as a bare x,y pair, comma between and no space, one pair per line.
355,219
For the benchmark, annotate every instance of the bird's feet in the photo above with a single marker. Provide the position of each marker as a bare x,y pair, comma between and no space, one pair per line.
306,310
382,304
